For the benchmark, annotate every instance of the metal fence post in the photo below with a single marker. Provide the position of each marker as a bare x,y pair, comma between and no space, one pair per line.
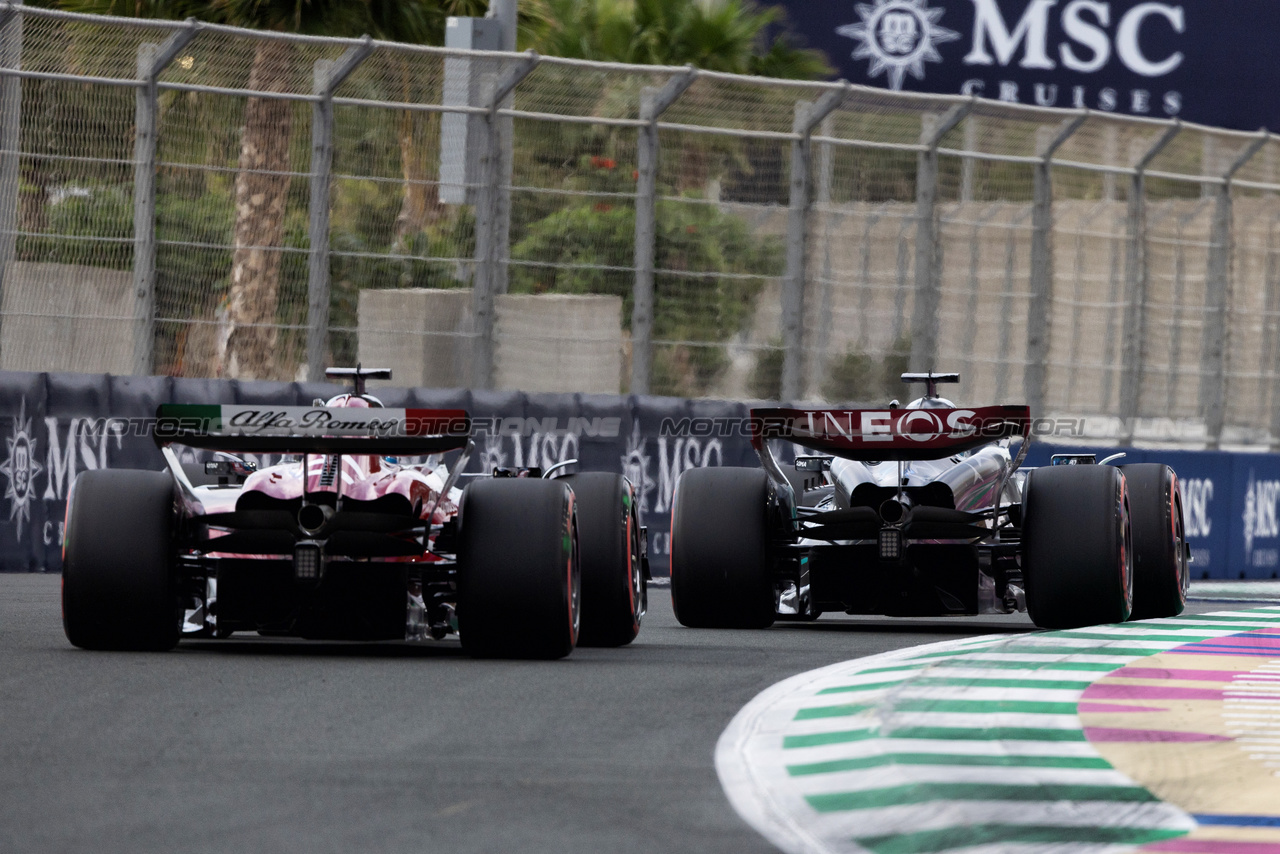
1110,154
654,101
1136,275
1040,309
152,60
327,76
928,296
10,137
967,172
808,116
1217,300
506,13
826,176
489,221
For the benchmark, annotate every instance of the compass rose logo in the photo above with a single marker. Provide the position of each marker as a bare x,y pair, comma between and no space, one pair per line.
899,37
635,467
21,469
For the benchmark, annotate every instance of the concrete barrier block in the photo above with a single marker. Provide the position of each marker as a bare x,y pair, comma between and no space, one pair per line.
558,343
542,342
66,317
422,334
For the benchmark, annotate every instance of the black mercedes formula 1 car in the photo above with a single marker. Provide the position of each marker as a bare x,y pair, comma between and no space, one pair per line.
923,510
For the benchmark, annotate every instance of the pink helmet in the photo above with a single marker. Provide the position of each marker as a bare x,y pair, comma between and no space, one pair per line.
354,401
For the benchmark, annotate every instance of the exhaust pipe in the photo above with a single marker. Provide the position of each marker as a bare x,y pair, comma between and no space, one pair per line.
893,511
313,517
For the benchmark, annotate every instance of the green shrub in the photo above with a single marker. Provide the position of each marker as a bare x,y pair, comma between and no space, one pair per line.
588,247
858,377
766,377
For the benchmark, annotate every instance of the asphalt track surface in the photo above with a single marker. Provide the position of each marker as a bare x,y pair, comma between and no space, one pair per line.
254,744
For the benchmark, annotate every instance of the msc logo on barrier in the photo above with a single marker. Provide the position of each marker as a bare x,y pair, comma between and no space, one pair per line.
1197,493
654,493
1261,521
898,36
85,447
21,468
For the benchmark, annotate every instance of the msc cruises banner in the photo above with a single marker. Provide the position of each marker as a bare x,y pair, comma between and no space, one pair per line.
1208,61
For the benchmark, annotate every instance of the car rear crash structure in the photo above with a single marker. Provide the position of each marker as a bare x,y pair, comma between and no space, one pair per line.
348,538
923,511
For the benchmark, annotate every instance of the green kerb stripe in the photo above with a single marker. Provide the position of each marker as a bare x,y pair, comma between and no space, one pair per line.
870,686
995,733
819,739
963,682
919,793
1252,617
989,707
897,669
999,733
947,759
930,841
830,712
1046,649
989,664
1031,707
1190,637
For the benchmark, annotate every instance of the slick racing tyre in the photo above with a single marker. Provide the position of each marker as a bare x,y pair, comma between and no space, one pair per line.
720,566
1077,555
118,589
614,589
1160,572
519,582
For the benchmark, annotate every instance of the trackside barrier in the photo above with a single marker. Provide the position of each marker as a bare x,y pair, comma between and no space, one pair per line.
57,425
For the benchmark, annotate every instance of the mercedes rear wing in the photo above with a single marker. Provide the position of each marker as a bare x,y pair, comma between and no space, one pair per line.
870,435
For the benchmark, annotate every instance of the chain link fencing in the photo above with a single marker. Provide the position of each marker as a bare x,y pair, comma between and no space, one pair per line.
197,200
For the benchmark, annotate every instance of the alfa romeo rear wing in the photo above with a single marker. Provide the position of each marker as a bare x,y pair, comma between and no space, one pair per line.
890,434
312,429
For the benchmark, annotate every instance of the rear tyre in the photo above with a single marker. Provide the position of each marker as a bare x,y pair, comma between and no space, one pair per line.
1160,572
720,557
519,582
614,591
118,589
1077,556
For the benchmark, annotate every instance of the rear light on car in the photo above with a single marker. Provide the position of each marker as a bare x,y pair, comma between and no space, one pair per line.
890,544
307,561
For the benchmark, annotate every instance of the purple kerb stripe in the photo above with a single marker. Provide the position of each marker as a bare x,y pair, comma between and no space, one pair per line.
1110,707
1113,691
1170,673
1210,846
1098,733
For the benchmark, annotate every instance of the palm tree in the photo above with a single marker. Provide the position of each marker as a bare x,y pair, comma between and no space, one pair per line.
731,36
424,23
718,35
262,181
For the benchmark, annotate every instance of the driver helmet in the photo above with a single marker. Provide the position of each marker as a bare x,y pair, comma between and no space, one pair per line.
362,401
355,401
931,403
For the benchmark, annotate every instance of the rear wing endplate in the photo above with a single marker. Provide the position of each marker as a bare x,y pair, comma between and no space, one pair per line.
312,429
890,434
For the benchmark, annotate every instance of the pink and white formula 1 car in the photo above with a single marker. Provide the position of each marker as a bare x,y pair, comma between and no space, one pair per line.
343,540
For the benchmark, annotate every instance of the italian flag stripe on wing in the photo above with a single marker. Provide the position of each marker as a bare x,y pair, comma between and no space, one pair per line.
209,414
